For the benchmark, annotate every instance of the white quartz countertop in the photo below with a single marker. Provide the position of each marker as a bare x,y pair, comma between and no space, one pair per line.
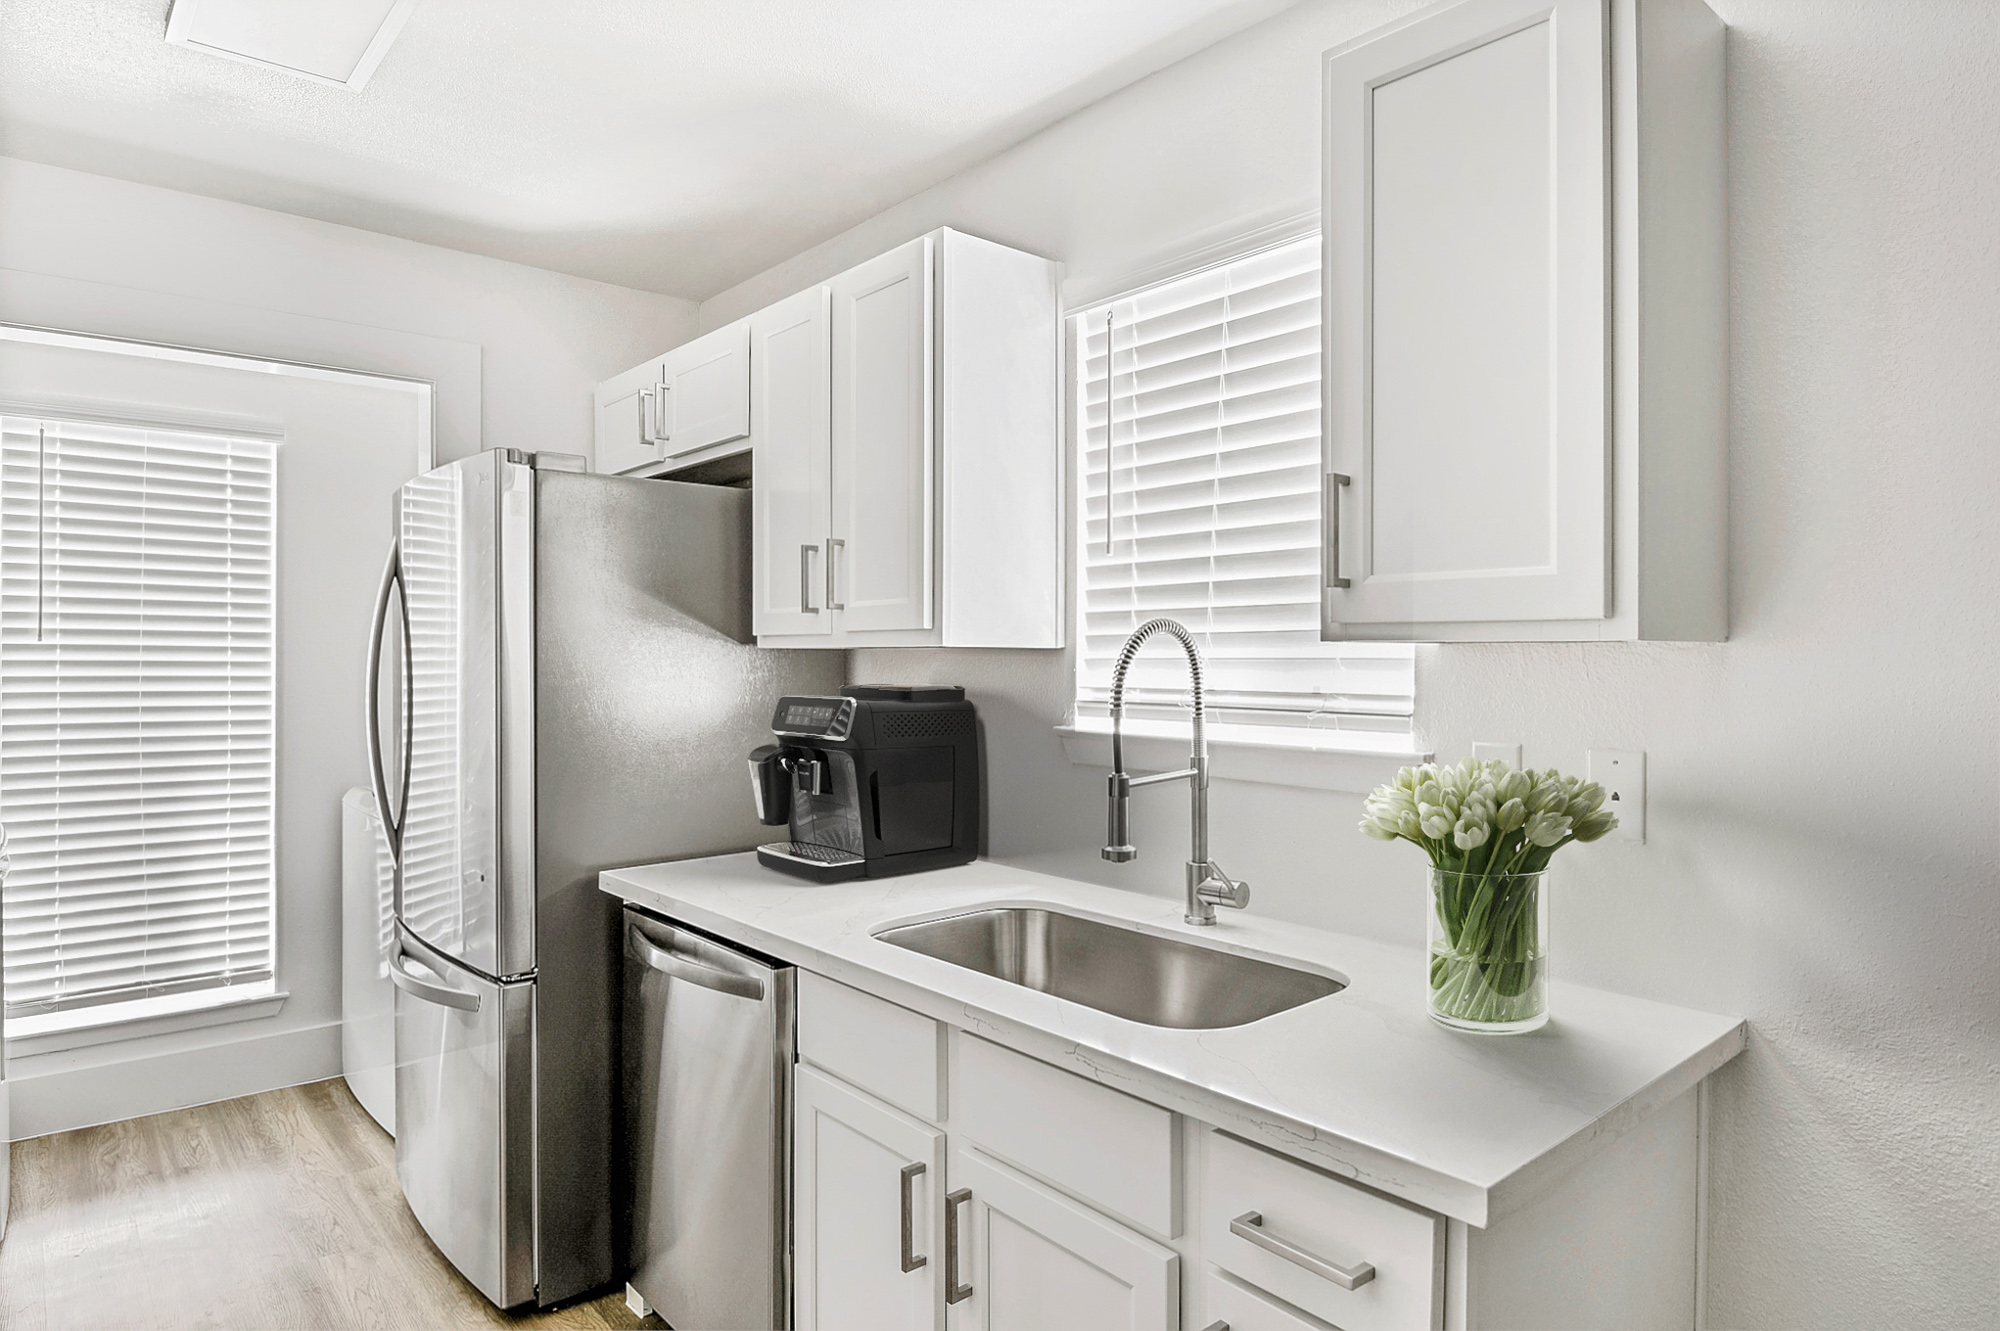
1361,1083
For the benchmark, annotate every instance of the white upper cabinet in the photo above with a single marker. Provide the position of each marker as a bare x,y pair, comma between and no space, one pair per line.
942,525
704,393
788,497
1518,446
905,443
625,420
687,406
879,565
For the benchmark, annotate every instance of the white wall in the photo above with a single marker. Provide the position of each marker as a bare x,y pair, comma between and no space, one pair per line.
515,352
106,256
1825,788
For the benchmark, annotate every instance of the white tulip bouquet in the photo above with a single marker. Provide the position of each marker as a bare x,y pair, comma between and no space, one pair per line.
1490,831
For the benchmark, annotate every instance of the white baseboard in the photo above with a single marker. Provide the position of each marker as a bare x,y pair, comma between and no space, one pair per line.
81,1097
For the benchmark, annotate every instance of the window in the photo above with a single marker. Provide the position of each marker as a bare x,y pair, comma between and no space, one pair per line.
1202,425
136,712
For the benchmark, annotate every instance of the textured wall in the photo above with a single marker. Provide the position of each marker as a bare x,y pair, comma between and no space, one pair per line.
1825,787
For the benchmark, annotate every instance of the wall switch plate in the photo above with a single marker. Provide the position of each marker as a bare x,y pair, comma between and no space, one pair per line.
1487,751
1622,773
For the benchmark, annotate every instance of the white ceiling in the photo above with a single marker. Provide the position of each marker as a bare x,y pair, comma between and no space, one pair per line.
673,145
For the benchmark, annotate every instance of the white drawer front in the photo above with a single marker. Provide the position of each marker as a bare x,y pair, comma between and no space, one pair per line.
1317,1216
1241,1308
1102,1145
886,1050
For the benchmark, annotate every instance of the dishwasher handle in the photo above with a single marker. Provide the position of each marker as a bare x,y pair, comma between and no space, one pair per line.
680,966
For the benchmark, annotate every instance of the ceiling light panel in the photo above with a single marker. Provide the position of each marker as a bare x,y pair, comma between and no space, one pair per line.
328,41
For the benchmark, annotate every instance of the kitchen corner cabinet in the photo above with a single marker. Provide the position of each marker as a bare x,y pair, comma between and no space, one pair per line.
908,464
1525,322
946,1182
688,406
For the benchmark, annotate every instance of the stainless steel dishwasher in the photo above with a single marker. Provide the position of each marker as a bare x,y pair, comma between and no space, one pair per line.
708,1101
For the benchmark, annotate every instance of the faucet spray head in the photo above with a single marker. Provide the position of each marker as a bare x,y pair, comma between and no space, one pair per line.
1118,847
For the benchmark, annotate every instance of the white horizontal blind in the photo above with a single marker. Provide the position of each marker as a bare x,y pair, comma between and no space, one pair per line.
136,711
1203,424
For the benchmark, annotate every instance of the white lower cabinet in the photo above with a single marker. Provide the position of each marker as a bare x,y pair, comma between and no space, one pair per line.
1234,1306
1030,1259
1034,1199
865,1202
1346,1255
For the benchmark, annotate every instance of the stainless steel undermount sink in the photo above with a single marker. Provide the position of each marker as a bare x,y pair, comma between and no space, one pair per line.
1138,976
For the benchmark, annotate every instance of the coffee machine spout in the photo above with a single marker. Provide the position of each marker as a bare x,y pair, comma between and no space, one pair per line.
771,784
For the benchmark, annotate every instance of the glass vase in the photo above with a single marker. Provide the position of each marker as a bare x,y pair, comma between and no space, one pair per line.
1488,951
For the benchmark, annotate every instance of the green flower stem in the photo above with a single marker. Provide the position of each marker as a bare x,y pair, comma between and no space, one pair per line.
1489,965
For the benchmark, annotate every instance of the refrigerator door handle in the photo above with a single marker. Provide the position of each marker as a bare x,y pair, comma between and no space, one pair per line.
430,991
392,816
682,967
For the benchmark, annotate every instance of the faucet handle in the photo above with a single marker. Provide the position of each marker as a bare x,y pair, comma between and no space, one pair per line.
1218,889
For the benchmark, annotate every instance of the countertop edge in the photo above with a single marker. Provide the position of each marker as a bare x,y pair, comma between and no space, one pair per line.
1342,1156
1540,1176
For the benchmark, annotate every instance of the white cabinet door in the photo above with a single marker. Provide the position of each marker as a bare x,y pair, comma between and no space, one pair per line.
881,551
1465,315
789,371
1037,1261
865,1200
705,391
625,420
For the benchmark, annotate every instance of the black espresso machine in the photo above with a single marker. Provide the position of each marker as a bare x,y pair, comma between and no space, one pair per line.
882,780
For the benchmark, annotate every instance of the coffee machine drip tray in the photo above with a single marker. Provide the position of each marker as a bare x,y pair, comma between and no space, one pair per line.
804,859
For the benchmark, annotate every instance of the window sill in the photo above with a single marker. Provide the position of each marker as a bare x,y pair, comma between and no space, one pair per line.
1353,761
58,1031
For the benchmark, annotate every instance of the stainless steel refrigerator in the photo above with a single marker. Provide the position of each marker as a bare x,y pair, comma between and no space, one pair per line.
569,688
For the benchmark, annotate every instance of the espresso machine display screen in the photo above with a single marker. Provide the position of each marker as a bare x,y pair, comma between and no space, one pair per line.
809,716
818,718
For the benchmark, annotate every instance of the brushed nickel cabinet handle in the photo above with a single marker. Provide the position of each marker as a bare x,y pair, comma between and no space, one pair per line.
661,434
806,553
1250,1226
911,1261
834,546
953,1291
1330,521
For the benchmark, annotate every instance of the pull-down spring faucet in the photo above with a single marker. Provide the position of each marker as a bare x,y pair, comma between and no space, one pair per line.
1207,885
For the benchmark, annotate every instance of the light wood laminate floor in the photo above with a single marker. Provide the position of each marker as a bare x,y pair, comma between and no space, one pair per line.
274,1211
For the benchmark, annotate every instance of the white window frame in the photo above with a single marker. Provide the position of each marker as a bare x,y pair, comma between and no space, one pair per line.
78,1028
1325,750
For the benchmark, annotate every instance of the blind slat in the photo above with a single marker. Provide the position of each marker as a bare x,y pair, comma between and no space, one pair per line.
137,604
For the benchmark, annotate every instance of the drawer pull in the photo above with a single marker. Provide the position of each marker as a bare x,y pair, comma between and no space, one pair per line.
1217,1325
911,1260
954,1292
1250,1227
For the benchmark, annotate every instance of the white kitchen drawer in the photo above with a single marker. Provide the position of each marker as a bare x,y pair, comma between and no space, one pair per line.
886,1050
1101,1145
1321,1217
1241,1308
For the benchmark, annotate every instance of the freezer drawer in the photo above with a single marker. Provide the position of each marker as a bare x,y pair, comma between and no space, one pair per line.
464,1120
708,1083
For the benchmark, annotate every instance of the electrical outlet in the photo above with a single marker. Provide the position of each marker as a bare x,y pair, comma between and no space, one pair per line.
1488,750
1622,773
